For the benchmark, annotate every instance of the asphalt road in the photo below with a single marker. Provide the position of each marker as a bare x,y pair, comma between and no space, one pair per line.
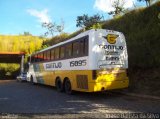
16,97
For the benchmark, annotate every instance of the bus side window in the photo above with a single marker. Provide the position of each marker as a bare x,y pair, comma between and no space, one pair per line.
48,55
81,44
52,54
44,56
57,53
86,46
41,57
35,58
38,57
68,50
32,59
75,49
62,52
29,59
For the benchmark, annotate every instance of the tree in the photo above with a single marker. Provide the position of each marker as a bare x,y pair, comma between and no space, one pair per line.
60,27
50,27
87,22
53,27
27,33
148,2
119,7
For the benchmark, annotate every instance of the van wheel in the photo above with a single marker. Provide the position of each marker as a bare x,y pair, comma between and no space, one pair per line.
17,80
59,85
20,80
68,87
32,80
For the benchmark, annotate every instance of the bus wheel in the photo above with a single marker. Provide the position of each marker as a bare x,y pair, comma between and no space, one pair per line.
59,85
68,87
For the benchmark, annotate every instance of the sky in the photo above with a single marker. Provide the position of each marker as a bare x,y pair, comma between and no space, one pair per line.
19,16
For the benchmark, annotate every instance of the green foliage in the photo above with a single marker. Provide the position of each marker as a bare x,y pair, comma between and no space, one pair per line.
27,34
118,8
44,46
74,34
159,19
148,2
86,22
9,70
53,27
142,33
56,39
21,43
60,38
96,26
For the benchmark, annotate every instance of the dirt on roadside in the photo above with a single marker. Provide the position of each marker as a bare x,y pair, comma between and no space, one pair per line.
145,81
6,81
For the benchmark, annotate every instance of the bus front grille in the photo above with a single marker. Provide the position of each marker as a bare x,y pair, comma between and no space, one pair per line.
82,81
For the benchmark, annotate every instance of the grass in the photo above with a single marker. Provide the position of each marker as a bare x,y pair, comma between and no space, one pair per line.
142,33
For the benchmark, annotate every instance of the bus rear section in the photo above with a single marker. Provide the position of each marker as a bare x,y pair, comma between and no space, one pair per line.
108,54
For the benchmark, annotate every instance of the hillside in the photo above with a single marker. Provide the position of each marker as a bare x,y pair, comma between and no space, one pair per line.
21,43
142,31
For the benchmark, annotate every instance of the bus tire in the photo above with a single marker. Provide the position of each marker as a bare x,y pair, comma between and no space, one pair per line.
20,80
68,86
59,85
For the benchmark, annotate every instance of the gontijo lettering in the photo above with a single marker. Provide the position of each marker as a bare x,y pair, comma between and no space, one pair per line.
53,65
111,47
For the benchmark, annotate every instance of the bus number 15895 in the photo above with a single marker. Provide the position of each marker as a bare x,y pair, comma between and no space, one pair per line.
78,63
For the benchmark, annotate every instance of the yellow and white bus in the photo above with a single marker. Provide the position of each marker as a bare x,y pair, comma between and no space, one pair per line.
95,60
